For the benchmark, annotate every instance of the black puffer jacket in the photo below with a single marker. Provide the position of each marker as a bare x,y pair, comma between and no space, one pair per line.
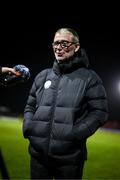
66,105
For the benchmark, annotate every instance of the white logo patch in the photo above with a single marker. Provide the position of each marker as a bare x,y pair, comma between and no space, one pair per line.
47,84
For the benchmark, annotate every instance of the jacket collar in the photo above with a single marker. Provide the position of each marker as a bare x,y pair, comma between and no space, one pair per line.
72,64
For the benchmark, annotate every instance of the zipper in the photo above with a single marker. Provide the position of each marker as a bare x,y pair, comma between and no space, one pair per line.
53,111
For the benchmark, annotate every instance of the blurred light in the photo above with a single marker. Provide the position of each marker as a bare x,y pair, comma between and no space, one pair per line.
119,87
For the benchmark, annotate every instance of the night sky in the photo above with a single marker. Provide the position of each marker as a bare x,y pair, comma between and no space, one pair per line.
26,38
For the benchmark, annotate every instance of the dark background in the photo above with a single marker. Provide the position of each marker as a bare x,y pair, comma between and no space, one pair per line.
27,32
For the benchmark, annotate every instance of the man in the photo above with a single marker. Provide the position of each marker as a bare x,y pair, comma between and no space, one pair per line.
66,105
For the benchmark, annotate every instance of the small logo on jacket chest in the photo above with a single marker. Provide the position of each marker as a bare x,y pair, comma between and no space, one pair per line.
47,84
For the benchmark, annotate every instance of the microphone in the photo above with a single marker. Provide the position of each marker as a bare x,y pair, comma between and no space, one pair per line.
23,76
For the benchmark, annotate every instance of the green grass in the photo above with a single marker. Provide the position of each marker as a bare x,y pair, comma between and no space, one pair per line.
103,156
103,152
14,148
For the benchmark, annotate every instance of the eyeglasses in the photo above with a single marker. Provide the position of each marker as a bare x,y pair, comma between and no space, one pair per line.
63,44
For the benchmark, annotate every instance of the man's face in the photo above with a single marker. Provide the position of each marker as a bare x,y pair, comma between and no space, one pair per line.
63,46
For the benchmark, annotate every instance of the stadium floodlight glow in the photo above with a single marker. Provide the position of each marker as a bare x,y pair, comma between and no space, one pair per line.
119,86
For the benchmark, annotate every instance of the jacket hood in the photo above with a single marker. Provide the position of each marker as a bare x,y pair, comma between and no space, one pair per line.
77,61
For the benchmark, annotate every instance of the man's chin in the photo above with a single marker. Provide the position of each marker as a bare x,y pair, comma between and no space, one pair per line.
60,58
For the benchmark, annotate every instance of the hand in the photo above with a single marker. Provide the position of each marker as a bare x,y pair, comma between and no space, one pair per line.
10,71
15,75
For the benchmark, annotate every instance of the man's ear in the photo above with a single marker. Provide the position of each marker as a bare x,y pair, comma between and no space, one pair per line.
77,47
